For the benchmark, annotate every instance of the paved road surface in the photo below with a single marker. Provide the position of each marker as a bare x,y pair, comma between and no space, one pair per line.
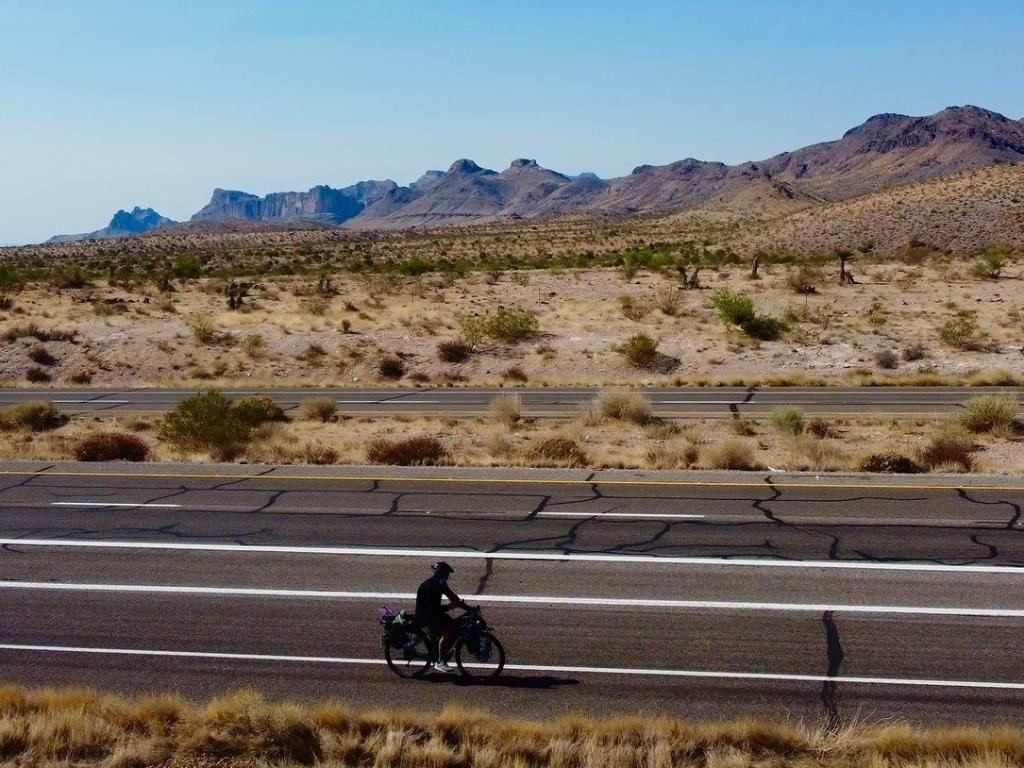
710,601
909,402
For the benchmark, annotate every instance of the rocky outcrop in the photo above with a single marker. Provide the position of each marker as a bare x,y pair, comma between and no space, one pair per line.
123,224
322,203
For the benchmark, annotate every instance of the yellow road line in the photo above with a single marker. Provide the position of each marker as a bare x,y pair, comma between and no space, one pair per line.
512,481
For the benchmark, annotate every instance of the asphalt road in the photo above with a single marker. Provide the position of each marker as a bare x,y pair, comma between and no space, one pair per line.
712,600
896,402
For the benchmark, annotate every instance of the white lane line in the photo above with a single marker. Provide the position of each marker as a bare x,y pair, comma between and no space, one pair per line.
630,515
601,602
94,402
625,671
111,504
458,554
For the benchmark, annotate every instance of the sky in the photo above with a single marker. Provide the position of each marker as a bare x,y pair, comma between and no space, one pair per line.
106,104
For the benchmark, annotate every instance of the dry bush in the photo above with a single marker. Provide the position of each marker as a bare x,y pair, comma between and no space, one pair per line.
742,427
43,356
506,410
391,367
454,351
318,408
993,414
500,444
408,451
788,421
913,352
203,328
886,359
516,374
819,428
634,308
669,300
34,416
111,446
37,375
818,455
254,346
318,453
949,447
559,450
891,462
624,405
254,410
730,454
675,454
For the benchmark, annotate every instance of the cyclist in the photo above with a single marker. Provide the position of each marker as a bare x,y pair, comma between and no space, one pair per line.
433,616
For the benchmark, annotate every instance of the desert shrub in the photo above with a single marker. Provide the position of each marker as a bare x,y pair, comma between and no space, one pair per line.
202,326
203,421
318,408
508,325
37,375
819,428
789,421
960,331
317,453
730,454
989,265
81,377
634,308
886,359
891,462
254,410
111,446
737,310
70,275
999,377
741,426
33,331
913,352
454,351
187,267
640,351
987,413
515,373
623,405
41,355
805,279
677,454
391,367
506,410
558,449
404,452
33,415
254,346
949,446
669,300
414,266
316,305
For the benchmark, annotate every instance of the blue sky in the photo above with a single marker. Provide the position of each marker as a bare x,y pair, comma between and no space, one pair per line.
107,104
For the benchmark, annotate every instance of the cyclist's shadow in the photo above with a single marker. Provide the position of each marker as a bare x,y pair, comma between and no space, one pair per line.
535,682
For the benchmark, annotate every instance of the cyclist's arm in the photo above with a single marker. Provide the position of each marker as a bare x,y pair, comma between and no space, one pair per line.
454,601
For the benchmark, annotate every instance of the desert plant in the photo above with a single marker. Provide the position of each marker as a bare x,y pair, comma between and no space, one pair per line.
33,415
886,359
43,356
409,451
891,462
634,308
506,410
949,446
317,305
254,345
737,310
111,446
788,421
805,279
741,426
623,405
202,326
669,300
515,373
454,351
730,454
37,375
987,413
989,265
203,421
318,408
819,428
254,410
960,331
510,325
677,454
391,367
560,450
187,267
317,453
913,352
640,351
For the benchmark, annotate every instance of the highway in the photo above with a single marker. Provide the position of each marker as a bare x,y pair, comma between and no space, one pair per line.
723,596
693,402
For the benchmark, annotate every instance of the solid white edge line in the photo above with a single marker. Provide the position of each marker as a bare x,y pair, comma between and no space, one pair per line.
110,504
608,602
457,554
630,515
527,667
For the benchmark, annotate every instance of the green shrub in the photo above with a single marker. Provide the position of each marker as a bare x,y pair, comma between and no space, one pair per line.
640,351
111,446
404,452
318,409
987,413
414,266
203,421
736,310
508,325
33,415
187,267
989,265
254,410
960,331
788,420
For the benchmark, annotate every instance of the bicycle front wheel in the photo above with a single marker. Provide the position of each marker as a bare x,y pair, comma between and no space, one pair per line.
480,657
408,653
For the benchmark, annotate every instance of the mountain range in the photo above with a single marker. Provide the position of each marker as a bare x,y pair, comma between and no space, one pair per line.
887,150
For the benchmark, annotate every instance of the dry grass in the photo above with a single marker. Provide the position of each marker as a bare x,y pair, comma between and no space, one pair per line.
420,450
49,728
624,405
730,454
320,409
992,414
506,410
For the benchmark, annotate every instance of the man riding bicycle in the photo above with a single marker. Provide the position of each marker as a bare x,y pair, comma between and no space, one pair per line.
433,616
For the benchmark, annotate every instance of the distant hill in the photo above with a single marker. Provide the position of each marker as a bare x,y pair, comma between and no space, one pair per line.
886,151
137,221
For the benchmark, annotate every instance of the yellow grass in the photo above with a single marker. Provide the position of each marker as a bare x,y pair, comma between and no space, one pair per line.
62,727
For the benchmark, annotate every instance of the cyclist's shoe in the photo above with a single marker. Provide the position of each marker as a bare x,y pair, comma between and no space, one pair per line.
443,666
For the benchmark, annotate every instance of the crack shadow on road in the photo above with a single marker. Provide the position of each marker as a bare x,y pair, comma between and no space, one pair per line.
830,688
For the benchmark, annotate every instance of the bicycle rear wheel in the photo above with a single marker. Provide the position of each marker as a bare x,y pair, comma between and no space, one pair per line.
412,657
480,658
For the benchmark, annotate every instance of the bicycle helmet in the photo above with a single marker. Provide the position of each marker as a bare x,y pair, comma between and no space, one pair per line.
441,567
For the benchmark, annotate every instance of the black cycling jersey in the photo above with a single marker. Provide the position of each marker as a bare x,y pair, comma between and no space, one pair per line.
428,600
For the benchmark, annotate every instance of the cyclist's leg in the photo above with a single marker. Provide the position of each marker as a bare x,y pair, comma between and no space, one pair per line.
447,637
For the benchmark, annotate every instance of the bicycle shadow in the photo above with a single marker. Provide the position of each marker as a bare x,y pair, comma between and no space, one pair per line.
529,682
